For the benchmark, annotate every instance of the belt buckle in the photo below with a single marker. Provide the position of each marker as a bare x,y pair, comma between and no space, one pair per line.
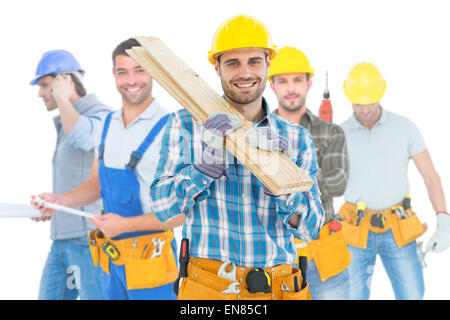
378,220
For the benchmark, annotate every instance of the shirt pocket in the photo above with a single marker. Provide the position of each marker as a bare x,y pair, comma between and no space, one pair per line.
121,196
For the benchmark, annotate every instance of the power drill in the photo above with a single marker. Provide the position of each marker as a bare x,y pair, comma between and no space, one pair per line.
325,110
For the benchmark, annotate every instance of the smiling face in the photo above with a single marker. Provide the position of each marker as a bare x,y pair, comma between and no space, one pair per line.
291,90
243,73
132,81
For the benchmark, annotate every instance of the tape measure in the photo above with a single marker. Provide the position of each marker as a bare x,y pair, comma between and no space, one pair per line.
110,250
258,280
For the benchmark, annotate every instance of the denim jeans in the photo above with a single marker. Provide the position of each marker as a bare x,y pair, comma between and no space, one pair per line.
402,266
334,288
69,272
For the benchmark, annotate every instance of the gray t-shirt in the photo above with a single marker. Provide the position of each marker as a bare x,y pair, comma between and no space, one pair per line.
379,159
72,162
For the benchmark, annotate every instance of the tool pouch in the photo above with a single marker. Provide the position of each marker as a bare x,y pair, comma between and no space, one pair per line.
355,236
330,253
145,273
407,230
303,294
195,290
150,273
98,257
290,294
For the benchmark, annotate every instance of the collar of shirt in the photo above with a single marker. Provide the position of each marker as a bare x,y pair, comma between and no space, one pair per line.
355,124
307,118
266,120
149,113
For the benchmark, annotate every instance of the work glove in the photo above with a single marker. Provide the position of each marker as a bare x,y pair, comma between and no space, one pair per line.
266,139
441,237
216,128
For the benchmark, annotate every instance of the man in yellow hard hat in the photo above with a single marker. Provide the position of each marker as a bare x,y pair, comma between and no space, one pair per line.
290,76
239,234
378,217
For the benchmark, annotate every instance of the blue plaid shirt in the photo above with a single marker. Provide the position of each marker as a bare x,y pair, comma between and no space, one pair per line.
232,218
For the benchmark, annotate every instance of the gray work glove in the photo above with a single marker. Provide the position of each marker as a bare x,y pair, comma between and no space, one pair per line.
266,139
216,128
441,237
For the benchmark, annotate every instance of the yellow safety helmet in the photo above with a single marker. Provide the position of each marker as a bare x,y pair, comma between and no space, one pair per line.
290,60
364,84
241,32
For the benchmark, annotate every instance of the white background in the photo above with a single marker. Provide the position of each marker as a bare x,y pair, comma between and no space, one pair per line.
406,40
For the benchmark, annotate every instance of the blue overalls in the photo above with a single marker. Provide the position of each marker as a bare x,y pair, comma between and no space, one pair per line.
120,194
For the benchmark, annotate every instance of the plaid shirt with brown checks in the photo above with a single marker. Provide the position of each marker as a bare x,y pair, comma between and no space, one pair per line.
332,156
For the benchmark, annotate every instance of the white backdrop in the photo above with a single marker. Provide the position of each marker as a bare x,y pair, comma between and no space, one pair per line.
406,40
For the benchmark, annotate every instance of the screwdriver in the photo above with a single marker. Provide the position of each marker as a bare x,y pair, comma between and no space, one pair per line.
303,266
360,208
407,205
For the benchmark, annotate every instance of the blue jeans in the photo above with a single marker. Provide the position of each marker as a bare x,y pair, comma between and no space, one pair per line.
334,288
402,267
69,272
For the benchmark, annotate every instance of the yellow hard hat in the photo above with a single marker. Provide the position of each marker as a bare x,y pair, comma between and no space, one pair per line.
241,32
290,60
364,84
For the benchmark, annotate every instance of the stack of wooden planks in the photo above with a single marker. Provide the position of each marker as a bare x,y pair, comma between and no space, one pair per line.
274,169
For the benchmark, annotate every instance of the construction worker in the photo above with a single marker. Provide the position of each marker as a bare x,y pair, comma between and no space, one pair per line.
136,252
239,234
59,77
290,76
378,217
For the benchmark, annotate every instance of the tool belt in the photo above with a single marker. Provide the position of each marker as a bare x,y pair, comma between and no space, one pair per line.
405,230
149,260
203,282
329,252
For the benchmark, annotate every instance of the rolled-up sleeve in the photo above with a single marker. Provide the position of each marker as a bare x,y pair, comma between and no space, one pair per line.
305,204
333,176
86,131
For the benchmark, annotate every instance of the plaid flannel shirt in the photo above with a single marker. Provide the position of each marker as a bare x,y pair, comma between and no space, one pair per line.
332,156
232,218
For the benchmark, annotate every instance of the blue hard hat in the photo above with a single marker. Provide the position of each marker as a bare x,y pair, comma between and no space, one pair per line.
55,62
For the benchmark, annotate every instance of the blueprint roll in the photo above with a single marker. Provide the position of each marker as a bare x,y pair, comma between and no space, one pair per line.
16,210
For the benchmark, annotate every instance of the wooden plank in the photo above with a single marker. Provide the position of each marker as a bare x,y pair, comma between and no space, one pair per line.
274,169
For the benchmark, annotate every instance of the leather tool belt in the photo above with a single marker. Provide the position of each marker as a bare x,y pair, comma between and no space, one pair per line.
149,260
405,229
215,280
